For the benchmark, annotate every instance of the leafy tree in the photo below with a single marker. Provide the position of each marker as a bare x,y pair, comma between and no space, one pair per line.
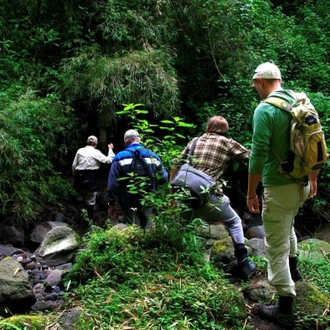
34,133
145,76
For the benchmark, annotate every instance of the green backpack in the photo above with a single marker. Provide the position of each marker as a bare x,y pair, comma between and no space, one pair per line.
308,150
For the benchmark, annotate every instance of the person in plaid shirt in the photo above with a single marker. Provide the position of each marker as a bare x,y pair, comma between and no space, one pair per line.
212,153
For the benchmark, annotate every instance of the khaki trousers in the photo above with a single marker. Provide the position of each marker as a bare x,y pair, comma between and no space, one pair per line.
280,205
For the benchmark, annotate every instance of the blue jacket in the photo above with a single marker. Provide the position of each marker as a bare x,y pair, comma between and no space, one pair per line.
117,189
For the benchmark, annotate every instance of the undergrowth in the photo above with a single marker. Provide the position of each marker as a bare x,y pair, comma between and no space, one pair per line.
316,271
152,280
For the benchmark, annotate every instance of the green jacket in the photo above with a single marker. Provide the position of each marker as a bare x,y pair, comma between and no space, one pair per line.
271,130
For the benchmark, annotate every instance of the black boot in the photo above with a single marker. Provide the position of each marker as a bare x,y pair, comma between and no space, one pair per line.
280,313
294,270
246,268
241,252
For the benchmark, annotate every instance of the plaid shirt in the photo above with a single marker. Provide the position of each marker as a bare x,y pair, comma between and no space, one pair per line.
213,152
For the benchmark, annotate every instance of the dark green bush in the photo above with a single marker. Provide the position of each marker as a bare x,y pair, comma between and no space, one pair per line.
151,279
34,134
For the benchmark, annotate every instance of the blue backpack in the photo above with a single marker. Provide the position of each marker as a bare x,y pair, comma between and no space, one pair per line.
141,179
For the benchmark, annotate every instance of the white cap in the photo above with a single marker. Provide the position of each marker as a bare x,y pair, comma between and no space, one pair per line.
267,70
91,140
131,134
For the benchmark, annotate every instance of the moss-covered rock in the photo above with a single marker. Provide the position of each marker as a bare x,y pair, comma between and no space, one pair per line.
15,287
314,248
71,319
214,231
75,319
222,251
30,322
309,300
59,246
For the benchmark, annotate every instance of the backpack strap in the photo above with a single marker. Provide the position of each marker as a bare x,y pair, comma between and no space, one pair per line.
137,153
279,103
284,105
151,171
191,150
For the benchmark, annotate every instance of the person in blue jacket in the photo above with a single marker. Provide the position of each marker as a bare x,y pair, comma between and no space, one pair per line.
144,163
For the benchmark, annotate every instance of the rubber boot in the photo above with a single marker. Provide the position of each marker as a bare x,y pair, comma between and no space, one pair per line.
280,313
294,270
241,252
285,305
246,268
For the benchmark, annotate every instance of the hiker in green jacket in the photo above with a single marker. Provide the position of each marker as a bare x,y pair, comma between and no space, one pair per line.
282,196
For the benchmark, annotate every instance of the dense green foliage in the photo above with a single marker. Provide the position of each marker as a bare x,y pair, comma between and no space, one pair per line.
191,59
33,135
153,280
159,279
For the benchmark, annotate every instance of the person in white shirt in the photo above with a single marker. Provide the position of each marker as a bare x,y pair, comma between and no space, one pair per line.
85,167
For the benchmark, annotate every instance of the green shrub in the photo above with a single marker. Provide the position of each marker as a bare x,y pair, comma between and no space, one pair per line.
33,135
154,279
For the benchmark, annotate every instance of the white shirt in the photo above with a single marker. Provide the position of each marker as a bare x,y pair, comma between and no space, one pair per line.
89,158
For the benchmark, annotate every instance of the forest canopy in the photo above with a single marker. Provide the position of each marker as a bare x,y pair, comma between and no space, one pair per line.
67,67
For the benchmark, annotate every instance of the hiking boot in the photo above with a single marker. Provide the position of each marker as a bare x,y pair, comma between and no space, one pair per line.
241,252
247,269
294,270
280,313
272,313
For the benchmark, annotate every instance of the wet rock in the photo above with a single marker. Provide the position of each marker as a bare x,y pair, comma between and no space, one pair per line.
59,246
255,232
15,287
12,235
40,231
